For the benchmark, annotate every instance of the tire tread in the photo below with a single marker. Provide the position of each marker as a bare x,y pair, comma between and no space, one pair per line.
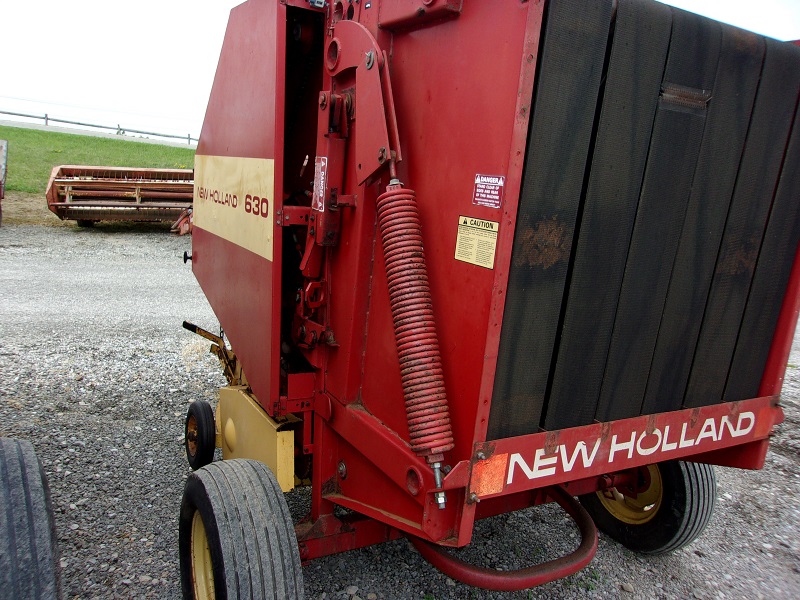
28,549
689,489
701,483
257,545
206,434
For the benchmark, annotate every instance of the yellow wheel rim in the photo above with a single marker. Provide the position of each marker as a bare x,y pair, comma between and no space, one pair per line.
202,571
639,509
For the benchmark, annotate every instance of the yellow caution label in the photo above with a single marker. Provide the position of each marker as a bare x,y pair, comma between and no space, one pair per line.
477,241
234,199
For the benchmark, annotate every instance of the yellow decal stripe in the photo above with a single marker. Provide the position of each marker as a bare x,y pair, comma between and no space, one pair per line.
234,199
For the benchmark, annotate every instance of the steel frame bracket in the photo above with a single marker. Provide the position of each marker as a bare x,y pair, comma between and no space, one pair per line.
411,14
352,46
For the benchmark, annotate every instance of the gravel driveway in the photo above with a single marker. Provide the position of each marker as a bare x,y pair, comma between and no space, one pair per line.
96,371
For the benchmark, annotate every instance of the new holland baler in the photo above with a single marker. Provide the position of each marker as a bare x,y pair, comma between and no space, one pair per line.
471,256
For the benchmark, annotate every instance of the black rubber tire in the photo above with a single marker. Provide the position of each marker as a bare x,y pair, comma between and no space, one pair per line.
86,222
29,565
689,495
201,441
249,530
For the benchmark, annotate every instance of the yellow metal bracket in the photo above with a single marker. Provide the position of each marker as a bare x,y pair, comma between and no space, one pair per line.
245,430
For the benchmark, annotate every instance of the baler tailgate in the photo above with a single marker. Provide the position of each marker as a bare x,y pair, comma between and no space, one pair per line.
657,222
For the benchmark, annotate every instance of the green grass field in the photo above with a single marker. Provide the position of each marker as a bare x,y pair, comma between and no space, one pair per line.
33,153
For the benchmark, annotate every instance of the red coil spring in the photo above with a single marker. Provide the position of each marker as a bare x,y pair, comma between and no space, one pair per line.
415,332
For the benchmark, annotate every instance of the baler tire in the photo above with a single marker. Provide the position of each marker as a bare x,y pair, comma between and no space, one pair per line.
684,508
199,434
85,222
235,523
29,563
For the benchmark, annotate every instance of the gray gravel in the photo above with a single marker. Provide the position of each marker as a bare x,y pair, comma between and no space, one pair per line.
97,372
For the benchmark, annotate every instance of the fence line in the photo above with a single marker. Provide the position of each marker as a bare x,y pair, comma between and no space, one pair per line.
118,129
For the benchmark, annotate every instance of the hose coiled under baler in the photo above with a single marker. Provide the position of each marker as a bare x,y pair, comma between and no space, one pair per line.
415,332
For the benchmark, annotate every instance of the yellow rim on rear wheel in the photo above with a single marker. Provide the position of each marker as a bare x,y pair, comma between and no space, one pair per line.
202,570
639,509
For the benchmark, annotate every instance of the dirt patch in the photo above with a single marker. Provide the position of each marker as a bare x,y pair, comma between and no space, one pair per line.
21,208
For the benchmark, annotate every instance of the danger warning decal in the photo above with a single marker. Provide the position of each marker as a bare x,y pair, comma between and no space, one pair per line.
477,241
320,181
489,190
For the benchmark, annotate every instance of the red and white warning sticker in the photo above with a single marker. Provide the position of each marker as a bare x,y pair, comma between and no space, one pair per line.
320,181
489,190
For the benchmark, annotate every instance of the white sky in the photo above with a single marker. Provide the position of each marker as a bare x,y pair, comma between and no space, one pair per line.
150,64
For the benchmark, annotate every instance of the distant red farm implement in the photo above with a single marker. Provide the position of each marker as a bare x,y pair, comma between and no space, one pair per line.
89,194
3,167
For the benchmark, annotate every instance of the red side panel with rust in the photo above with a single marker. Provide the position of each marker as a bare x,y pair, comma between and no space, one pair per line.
238,168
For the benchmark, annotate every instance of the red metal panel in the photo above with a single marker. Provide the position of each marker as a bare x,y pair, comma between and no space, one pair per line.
505,244
230,293
443,151
401,14
241,120
775,370
246,121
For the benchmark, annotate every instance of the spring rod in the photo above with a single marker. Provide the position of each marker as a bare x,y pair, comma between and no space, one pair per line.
427,410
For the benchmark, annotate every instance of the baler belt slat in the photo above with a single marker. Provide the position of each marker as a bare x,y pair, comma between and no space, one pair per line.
727,123
673,155
771,277
635,70
561,133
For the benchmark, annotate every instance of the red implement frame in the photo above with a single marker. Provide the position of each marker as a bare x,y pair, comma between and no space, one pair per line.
119,193
3,167
349,391
3,170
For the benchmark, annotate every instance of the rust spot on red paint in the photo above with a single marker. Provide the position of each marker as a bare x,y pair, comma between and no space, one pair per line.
547,243
551,442
331,486
651,425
